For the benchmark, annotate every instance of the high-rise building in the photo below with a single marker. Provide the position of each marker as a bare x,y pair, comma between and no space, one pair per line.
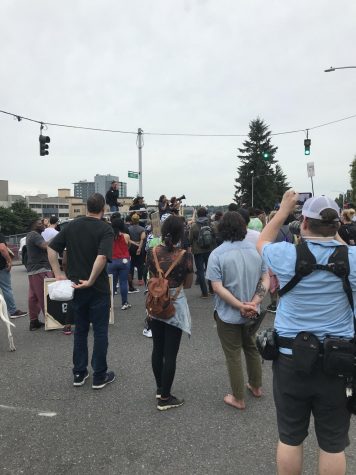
122,189
103,183
83,189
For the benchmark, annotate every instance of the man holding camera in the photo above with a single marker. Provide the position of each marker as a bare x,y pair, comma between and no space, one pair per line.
316,308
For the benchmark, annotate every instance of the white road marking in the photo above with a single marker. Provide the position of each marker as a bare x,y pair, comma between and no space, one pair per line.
28,409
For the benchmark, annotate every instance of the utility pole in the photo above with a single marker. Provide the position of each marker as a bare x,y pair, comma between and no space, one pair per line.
139,143
252,190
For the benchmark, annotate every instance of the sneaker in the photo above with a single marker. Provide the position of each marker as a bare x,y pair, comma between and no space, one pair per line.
109,378
147,333
133,291
80,378
35,325
170,403
18,314
272,308
67,330
125,306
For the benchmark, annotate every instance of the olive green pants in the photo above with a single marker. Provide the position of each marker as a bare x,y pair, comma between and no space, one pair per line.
233,338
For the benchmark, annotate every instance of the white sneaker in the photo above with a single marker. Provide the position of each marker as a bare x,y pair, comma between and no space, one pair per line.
147,333
125,306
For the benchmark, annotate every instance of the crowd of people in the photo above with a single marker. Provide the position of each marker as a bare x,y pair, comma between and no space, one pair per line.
238,257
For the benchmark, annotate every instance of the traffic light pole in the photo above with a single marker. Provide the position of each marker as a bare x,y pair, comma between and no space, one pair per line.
312,184
140,146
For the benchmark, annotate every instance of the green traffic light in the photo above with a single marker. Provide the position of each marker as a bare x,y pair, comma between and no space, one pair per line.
265,155
306,152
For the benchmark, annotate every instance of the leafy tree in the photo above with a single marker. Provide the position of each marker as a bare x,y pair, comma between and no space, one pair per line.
353,179
262,174
16,219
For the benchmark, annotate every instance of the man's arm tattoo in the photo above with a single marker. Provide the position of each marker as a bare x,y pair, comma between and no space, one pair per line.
260,289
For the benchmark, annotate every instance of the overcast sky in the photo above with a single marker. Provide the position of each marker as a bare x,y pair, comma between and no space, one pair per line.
186,66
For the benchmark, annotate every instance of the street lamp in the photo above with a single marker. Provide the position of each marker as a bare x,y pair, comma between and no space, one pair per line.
331,69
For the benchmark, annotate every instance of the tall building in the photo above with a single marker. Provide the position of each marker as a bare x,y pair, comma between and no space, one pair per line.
122,189
4,193
48,206
103,183
83,189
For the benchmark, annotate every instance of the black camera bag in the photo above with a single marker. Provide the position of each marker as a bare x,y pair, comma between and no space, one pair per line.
267,344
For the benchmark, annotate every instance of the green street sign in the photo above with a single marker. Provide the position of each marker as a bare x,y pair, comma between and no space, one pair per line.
133,174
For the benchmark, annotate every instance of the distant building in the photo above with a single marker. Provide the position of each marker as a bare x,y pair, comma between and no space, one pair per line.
83,189
122,189
48,206
4,193
103,183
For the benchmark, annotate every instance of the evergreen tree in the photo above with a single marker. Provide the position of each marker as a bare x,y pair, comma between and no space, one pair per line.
353,179
259,170
16,220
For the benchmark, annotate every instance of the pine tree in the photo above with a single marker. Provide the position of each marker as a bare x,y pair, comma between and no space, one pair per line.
262,174
353,179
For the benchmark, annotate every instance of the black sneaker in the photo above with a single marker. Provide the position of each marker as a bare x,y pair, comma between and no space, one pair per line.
109,378
272,308
170,403
133,291
80,378
35,325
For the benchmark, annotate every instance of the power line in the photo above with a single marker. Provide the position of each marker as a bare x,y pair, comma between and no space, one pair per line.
97,129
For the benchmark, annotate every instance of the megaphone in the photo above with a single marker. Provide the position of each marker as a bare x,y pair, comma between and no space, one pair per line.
181,198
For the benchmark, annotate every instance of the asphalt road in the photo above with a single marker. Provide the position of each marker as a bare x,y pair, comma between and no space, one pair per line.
49,427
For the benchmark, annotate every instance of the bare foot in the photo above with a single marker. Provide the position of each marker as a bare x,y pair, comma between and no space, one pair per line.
232,401
257,392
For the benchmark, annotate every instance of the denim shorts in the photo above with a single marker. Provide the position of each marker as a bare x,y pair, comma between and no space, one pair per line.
298,395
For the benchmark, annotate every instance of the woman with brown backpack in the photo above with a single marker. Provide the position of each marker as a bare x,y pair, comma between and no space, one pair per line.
171,271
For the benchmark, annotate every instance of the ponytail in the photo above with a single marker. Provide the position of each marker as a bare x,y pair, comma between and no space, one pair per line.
168,242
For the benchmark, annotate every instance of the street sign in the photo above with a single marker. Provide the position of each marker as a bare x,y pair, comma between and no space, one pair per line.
310,169
133,174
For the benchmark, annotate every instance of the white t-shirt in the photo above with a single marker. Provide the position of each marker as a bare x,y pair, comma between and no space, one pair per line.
49,234
252,236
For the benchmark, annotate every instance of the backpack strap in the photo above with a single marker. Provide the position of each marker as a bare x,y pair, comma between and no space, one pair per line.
158,267
303,266
171,267
174,263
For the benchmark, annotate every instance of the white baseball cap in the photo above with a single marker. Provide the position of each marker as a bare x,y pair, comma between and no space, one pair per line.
314,206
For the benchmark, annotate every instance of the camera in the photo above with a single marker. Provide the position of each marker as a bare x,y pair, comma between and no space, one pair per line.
181,198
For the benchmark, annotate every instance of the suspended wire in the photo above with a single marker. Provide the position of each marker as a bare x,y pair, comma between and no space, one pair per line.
96,129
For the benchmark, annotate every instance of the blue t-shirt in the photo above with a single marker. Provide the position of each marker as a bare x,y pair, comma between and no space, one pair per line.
238,266
318,302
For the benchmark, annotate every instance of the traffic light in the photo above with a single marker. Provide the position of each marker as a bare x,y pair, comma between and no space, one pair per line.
266,156
307,143
44,140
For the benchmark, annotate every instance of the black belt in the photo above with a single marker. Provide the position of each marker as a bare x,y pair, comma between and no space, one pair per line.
284,342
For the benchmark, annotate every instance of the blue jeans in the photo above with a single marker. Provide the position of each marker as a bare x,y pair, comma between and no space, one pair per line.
91,306
113,209
120,272
5,286
201,263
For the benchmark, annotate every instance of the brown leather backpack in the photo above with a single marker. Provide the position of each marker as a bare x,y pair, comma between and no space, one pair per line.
159,301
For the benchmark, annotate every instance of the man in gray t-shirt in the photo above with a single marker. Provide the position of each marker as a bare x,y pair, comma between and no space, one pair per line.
38,268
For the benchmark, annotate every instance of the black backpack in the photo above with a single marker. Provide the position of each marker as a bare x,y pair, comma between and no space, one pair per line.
205,237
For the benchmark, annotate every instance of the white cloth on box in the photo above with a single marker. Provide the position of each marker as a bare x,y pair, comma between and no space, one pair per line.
61,290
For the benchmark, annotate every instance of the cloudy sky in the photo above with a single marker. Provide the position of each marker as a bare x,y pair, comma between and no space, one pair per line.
174,66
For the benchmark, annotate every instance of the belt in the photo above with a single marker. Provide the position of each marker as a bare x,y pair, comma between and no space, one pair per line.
284,342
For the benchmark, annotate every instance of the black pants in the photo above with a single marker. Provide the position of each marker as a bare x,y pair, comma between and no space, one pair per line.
138,262
166,341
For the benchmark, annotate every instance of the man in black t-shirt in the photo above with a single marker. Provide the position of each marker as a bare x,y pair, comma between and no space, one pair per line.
88,241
